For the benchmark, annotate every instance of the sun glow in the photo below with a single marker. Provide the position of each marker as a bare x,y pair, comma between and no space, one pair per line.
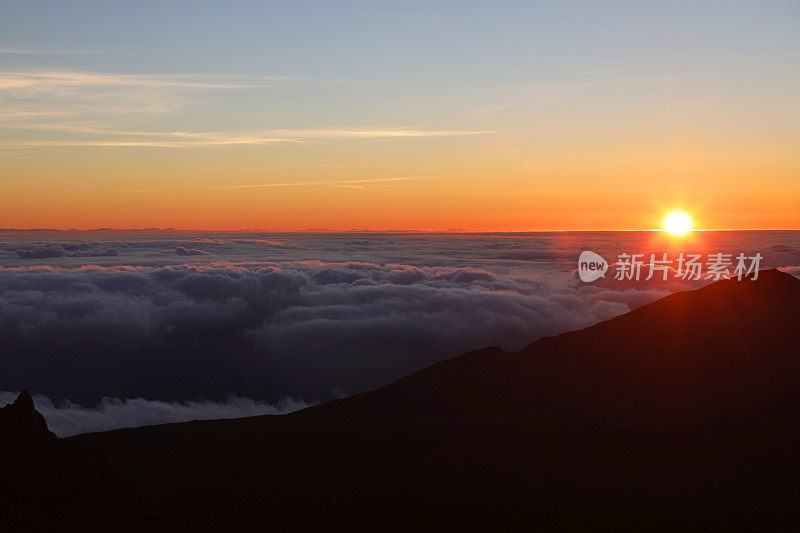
677,223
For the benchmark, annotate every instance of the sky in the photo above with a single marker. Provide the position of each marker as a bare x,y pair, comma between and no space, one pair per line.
484,116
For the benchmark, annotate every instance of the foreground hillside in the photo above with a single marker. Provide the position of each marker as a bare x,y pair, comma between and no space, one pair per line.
676,416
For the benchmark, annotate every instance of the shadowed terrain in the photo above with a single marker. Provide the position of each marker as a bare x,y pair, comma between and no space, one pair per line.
676,416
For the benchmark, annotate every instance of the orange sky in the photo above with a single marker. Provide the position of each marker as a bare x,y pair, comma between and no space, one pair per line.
467,183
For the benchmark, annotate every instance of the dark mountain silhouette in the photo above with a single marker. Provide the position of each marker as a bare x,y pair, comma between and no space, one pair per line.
24,429
47,482
679,415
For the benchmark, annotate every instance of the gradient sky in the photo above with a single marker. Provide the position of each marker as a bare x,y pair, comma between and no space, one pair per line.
399,115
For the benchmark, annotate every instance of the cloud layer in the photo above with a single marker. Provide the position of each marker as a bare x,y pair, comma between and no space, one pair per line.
67,418
309,330
268,317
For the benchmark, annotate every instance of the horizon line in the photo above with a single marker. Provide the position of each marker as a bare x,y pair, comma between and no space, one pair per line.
367,230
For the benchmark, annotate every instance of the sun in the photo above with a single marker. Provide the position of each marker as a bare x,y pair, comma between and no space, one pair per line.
678,223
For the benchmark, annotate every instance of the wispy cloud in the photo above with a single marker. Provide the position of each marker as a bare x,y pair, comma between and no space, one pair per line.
338,183
103,94
7,114
199,139
349,184
376,133
146,144
52,51
57,80
64,108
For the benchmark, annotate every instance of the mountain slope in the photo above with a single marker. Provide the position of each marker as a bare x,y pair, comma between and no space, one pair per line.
677,416
728,348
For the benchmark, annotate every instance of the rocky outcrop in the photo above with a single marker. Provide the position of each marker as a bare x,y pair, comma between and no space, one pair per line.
24,436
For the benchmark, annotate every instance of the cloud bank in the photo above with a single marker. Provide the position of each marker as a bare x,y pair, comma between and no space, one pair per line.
265,317
47,251
68,418
311,330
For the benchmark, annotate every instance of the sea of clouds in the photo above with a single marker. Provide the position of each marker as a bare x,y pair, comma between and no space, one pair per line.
114,330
